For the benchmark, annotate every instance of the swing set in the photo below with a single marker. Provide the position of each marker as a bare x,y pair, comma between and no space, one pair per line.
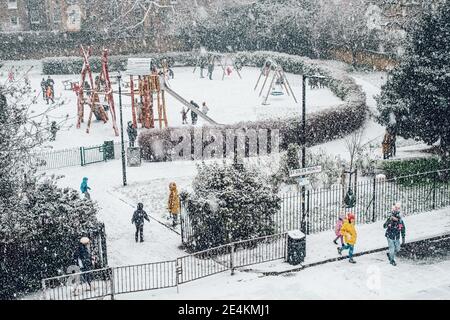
272,70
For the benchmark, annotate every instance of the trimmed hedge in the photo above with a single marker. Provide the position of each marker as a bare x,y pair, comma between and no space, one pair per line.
330,124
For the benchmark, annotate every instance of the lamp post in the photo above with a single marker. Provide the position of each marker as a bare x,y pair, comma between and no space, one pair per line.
124,170
303,142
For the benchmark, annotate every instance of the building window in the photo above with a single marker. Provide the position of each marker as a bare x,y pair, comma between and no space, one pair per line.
14,21
12,4
34,17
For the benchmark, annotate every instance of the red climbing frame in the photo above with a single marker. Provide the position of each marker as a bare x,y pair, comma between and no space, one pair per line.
93,94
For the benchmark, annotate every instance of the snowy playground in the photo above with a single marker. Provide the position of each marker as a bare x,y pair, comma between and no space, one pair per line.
229,101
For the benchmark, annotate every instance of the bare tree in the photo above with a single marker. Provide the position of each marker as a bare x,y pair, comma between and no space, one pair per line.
353,143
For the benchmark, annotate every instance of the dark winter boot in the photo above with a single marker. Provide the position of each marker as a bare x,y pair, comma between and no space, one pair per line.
335,242
339,251
393,262
351,260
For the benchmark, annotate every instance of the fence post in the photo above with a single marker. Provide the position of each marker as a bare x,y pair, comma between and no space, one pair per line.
286,247
179,272
434,190
374,198
307,212
82,156
113,288
232,258
44,290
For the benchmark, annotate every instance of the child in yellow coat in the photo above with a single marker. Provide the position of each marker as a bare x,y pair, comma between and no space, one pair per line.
174,202
348,231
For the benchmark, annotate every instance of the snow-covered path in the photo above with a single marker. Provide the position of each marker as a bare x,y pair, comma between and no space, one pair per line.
372,277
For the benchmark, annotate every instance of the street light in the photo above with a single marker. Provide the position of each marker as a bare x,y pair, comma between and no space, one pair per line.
124,170
303,142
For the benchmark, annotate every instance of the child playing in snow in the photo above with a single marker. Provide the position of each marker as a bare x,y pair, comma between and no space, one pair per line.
337,229
348,231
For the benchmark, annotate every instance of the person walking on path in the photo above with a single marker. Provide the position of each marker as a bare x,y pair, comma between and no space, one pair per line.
85,188
138,220
84,260
395,227
210,67
337,229
348,231
174,203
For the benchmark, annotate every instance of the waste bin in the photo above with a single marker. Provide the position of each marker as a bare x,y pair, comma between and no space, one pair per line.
296,247
134,156
108,149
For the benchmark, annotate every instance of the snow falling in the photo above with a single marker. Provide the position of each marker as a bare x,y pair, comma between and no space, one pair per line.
274,147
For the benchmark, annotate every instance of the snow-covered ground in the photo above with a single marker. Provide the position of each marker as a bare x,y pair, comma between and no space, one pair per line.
370,278
231,100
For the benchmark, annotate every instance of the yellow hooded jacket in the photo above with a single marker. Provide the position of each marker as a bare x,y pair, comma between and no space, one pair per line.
349,232
174,199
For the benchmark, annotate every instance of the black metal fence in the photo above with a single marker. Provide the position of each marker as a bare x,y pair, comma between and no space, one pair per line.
77,156
374,199
100,283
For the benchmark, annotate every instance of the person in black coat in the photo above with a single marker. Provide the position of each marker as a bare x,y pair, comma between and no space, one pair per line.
194,115
395,228
84,259
138,220
132,133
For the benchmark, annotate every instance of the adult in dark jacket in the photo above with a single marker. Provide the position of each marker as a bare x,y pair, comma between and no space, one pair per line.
395,227
138,220
84,259
194,115
44,88
132,133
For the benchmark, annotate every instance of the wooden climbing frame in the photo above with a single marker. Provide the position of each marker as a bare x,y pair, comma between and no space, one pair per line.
91,96
146,93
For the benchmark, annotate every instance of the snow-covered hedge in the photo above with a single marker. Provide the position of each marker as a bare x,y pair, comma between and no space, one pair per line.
333,123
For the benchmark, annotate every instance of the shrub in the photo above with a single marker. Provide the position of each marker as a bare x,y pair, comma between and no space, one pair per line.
229,203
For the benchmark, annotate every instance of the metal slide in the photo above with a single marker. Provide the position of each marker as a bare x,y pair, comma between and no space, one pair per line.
189,106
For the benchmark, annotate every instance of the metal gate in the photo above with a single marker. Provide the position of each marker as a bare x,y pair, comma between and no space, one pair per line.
96,154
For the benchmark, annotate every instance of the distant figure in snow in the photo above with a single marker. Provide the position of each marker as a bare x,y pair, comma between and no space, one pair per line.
44,88
132,134
205,108
395,227
138,220
84,259
202,62
53,130
174,203
337,229
85,188
210,66
11,75
184,113
348,231
194,115
49,95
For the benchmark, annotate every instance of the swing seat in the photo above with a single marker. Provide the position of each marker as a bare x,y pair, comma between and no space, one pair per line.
277,93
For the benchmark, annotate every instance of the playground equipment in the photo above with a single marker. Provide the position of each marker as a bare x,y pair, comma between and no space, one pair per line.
227,62
89,92
278,84
146,91
189,105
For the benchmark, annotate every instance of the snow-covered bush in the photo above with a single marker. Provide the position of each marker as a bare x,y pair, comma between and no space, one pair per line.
229,203
40,224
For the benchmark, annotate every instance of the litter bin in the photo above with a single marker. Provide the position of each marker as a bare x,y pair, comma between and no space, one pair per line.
108,148
296,247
